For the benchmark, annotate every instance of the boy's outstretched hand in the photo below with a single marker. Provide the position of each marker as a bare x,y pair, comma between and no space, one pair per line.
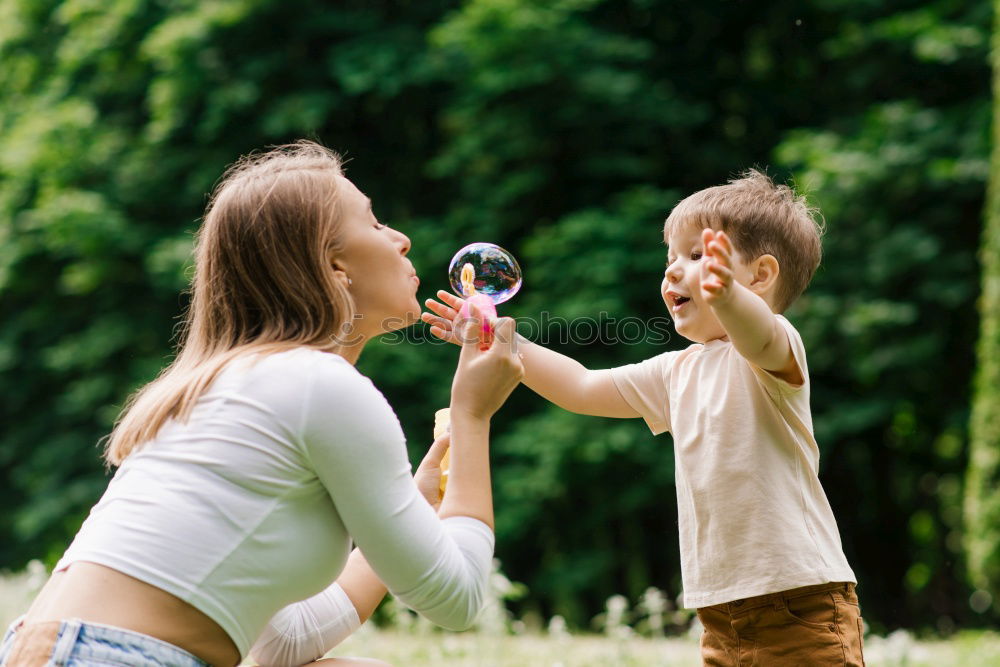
717,268
443,320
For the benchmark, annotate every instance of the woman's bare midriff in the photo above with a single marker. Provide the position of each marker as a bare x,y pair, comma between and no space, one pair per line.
99,594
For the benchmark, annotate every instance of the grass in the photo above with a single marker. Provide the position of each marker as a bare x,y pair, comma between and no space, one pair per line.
471,649
966,649
415,643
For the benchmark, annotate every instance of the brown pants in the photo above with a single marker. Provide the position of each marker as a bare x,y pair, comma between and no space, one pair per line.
813,625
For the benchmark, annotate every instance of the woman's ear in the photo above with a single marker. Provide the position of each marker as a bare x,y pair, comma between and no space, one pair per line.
765,270
339,273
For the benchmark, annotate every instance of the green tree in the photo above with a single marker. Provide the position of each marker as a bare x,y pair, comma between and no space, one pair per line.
982,504
577,125
565,131
894,299
116,119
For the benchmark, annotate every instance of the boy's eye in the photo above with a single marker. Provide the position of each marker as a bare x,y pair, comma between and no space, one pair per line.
695,256
379,225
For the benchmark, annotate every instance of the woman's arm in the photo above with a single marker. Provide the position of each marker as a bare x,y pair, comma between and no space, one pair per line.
354,443
304,631
483,382
358,580
307,630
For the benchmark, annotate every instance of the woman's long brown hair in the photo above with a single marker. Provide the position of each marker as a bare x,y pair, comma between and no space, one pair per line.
263,282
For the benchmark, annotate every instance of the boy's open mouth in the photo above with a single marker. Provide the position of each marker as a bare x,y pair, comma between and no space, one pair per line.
677,302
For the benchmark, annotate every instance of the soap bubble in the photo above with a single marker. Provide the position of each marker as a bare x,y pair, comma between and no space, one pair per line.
497,274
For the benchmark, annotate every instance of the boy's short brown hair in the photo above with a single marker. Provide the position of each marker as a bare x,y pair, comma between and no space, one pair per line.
761,218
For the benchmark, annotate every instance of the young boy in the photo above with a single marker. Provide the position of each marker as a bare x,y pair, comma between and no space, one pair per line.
761,557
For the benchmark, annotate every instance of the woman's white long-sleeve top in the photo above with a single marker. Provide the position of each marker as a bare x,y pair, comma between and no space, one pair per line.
252,504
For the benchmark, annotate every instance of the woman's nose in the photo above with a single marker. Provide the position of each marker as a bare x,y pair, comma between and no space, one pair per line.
404,242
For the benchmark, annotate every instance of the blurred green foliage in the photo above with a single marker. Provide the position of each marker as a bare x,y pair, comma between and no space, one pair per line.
565,131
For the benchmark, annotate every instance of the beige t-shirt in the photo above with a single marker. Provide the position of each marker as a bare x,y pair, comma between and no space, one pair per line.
752,514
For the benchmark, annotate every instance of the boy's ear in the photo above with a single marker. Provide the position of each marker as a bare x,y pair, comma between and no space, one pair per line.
765,270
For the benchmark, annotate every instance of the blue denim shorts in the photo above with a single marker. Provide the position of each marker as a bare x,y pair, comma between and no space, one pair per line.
75,643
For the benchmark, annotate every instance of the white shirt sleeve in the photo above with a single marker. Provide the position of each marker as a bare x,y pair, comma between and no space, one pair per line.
645,386
352,438
776,386
304,631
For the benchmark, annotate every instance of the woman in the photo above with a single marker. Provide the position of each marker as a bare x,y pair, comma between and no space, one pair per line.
256,458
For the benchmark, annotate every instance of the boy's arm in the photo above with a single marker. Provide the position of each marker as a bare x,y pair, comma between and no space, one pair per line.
571,386
752,328
553,376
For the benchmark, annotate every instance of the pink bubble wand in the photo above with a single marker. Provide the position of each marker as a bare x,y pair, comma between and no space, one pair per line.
487,310
501,279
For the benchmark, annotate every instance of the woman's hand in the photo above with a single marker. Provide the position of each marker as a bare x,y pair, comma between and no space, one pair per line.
428,474
485,379
445,313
